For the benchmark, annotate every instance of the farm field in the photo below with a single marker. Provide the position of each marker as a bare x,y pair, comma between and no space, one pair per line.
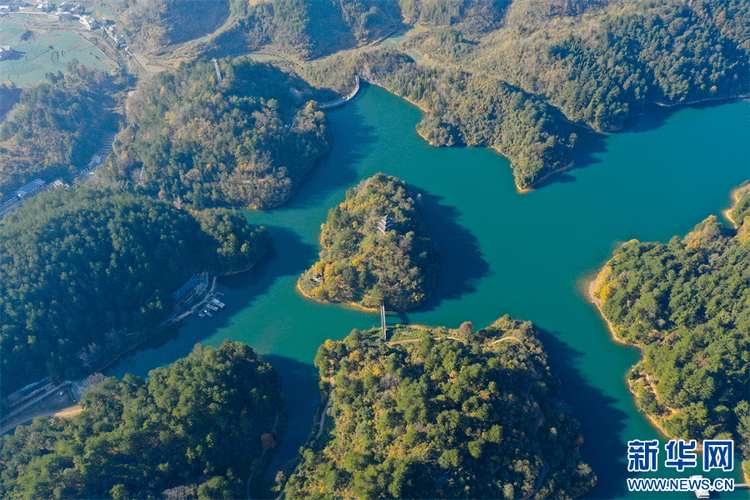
43,45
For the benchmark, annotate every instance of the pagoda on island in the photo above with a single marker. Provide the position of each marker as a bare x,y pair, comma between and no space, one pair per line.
386,224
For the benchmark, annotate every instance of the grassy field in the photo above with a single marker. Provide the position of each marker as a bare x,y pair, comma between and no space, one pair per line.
43,45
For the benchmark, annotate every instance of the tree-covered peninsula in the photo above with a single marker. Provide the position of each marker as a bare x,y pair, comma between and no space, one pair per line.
56,126
686,304
240,136
512,75
598,61
438,413
80,265
195,429
375,249
463,108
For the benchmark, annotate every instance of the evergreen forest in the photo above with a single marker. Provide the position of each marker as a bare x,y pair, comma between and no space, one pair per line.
84,269
686,304
195,429
375,249
439,413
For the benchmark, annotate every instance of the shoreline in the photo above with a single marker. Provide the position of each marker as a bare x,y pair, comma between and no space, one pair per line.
598,303
497,150
176,320
533,187
700,101
146,337
735,196
352,305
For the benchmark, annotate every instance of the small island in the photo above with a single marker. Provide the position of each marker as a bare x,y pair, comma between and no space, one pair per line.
194,429
376,250
685,305
442,413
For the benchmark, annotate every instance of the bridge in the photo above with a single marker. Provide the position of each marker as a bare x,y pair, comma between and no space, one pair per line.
382,321
343,100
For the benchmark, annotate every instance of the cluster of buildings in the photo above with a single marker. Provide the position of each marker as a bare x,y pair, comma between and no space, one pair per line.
119,39
65,10
69,7
7,8
89,22
194,294
64,7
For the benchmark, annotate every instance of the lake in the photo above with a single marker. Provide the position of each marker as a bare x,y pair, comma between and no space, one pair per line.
526,255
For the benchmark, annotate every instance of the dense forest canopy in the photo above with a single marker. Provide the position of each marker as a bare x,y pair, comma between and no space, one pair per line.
511,74
464,108
361,263
194,429
57,125
438,413
687,304
79,265
599,62
243,142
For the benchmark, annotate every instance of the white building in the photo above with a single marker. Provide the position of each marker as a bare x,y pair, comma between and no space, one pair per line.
89,22
5,52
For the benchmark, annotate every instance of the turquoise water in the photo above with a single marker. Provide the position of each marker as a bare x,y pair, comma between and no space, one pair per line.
526,255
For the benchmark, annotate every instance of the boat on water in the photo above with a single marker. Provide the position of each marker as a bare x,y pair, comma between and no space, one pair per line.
208,313
217,302
212,307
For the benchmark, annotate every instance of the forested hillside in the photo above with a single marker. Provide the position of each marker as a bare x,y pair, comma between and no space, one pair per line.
194,429
438,413
510,74
463,108
600,61
395,265
302,28
687,305
153,25
57,124
243,142
79,265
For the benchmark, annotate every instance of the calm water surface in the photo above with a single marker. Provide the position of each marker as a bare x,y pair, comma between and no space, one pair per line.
525,255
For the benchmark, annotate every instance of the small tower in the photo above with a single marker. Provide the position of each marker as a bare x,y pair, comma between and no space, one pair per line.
386,224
